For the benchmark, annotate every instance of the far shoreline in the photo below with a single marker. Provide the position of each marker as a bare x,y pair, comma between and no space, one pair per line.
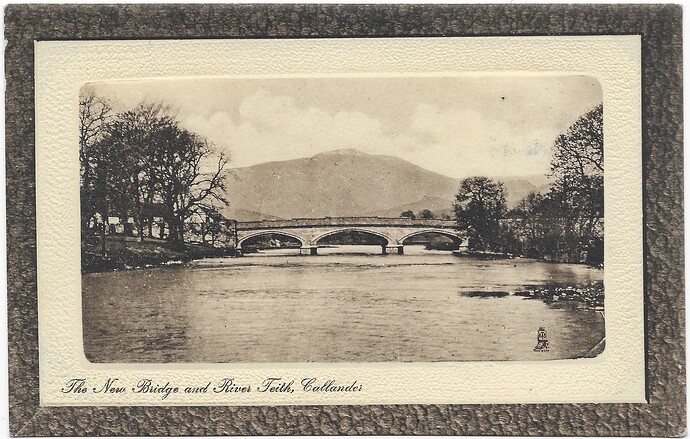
128,253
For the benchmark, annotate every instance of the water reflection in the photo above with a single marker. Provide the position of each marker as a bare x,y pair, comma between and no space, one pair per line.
345,305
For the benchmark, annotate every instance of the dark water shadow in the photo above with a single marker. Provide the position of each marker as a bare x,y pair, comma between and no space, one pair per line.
485,294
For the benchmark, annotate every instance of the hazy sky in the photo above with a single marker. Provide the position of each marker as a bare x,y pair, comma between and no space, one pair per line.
456,126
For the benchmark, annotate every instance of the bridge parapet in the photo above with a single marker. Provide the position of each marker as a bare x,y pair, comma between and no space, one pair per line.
346,222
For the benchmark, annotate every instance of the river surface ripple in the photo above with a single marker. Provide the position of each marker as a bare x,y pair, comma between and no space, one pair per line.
348,304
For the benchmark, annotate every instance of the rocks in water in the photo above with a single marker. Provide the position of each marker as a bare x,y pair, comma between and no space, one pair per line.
590,295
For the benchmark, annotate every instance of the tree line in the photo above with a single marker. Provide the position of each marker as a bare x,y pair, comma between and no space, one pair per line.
140,165
565,224
422,214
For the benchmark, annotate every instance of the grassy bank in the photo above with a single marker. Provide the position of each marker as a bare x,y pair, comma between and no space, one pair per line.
127,252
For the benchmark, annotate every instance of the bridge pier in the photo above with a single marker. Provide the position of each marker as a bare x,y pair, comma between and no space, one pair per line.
392,249
308,250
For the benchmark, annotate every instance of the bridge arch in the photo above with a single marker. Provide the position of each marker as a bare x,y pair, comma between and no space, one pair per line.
303,242
389,240
455,236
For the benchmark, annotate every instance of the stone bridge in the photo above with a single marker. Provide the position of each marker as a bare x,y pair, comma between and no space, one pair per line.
309,231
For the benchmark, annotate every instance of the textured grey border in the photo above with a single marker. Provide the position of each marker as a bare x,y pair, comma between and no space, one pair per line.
660,27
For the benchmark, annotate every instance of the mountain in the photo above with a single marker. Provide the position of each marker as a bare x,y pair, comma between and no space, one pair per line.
247,215
517,188
344,183
437,205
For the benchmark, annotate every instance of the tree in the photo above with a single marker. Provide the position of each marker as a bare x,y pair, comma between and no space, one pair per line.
566,224
95,115
579,153
534,226
133,145
577,194
407,214
479,207
142,158
191,175
426,214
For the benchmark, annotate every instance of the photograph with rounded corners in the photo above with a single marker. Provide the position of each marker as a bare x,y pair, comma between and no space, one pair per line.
342,219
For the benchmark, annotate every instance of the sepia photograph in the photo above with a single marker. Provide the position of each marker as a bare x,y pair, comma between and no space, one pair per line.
342,219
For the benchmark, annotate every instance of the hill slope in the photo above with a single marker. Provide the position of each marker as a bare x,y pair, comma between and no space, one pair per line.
343,183
437,205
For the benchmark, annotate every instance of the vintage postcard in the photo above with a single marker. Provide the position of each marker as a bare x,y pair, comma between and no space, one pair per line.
345,219
390,221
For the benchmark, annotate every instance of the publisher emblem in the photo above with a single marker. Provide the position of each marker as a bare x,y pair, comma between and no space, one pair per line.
542,341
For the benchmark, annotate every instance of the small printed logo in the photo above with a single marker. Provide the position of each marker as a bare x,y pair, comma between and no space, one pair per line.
542,341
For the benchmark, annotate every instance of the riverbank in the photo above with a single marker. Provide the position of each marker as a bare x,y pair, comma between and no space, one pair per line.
125,253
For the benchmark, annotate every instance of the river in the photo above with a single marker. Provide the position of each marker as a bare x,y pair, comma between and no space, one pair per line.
348,304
